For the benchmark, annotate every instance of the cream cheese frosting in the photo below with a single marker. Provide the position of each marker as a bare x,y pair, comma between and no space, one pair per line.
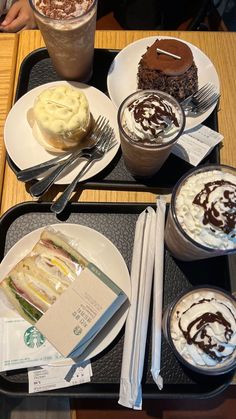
62,116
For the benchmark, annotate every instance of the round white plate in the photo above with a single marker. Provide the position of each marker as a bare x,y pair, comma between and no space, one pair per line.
24,149
122,75
99,250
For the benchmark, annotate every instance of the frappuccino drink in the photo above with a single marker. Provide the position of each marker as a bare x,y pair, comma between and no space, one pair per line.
68,29
150,122
201,329
202,217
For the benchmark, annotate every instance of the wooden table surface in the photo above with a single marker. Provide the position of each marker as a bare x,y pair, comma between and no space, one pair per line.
220,48
8,56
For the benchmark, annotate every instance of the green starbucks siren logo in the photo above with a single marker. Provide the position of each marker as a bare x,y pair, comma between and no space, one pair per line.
33,338
77,330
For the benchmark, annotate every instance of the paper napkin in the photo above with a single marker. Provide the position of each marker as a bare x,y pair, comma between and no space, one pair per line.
137,319
22,345
197,143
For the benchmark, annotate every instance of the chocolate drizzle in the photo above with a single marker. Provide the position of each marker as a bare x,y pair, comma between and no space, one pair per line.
214,204
153,113
201,337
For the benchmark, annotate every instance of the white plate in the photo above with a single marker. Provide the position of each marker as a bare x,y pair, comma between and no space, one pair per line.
122,75
99,250
24,149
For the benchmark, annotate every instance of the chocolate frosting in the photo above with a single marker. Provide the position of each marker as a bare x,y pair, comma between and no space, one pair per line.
166,64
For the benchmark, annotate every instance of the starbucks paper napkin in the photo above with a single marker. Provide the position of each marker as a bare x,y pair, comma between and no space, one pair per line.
137,319
22,345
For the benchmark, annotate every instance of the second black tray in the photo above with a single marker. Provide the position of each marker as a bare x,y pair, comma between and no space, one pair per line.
37,69
117,223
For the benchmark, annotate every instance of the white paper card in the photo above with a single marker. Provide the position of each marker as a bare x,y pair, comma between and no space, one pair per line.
196,144
82,311
22,346
52,377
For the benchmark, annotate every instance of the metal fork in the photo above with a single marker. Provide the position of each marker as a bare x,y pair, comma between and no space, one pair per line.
200,101
39,188
33,172
107,143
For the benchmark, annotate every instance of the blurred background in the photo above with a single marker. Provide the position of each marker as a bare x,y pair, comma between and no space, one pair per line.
213,15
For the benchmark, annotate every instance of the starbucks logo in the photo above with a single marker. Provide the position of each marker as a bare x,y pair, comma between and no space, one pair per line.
77,330
33,338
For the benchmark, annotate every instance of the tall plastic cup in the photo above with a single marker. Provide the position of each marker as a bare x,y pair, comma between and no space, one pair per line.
150,122
201,222
68,32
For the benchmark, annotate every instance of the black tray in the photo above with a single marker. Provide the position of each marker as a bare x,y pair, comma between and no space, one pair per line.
117,223
37,69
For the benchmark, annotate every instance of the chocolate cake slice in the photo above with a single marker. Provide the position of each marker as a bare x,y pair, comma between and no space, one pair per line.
178,77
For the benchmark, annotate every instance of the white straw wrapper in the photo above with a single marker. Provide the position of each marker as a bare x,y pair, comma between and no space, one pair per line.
158,293
137,319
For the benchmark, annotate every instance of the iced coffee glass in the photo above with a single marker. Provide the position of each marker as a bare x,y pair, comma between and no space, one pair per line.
201,221
68,29
150,122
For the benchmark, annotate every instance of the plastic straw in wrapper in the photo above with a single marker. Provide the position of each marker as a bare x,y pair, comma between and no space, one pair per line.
137,320
158,293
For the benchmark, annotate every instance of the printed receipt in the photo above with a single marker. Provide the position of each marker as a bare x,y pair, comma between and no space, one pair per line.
52,377
196,144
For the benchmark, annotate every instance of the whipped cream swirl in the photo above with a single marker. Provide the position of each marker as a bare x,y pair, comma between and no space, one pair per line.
203,329
206,208
150,118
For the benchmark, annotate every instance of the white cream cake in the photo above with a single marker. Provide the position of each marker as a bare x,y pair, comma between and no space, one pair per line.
61,117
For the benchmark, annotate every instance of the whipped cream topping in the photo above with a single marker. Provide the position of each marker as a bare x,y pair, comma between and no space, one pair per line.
151,119
203,328
63,9
206,209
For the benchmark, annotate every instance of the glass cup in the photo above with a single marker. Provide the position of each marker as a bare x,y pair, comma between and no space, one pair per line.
204,228
147,141
70,41
200,327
